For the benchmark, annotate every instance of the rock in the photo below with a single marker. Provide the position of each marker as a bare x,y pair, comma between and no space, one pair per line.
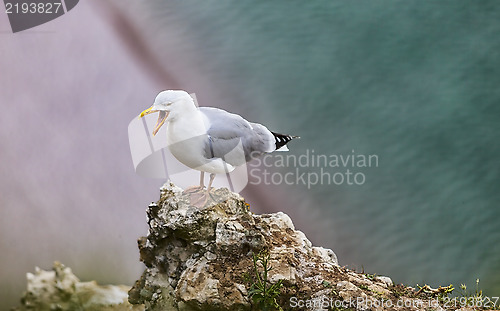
60,289
387,281
196,258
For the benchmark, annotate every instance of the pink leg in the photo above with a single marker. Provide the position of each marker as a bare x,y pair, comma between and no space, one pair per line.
196,189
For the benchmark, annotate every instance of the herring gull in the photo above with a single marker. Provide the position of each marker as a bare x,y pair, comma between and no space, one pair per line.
209,139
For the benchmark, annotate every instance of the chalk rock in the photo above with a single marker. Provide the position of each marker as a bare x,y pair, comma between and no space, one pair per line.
201,258
61,290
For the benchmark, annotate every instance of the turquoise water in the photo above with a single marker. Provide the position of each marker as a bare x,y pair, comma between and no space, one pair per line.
416,83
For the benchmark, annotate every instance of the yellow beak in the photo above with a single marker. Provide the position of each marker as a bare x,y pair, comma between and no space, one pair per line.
162,117
147,111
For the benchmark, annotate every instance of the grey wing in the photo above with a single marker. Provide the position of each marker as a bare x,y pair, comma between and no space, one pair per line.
233,138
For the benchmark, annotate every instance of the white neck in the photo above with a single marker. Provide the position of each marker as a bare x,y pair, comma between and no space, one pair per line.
185,108
185,124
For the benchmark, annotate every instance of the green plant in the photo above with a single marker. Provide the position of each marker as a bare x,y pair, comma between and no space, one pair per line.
476,294
370,276
446,291
474,298
441,292
262,292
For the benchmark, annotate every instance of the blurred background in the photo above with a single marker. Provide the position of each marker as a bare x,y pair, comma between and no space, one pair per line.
415,83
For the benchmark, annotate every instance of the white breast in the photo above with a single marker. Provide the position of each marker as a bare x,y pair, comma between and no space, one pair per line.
186,137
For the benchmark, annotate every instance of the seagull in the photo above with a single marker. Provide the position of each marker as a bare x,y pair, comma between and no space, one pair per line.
210,139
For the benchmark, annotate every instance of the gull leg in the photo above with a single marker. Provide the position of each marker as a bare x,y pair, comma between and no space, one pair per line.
202,179
212,177
197,194
196,189
200,199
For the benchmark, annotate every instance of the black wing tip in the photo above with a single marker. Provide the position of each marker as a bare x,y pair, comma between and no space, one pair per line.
282,139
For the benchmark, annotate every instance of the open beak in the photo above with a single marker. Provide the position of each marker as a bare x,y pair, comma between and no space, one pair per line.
162,117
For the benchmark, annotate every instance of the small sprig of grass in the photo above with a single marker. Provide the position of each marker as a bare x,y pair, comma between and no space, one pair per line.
262,292
472,298
476,293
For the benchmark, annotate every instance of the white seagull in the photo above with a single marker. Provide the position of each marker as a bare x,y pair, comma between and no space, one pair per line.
209,139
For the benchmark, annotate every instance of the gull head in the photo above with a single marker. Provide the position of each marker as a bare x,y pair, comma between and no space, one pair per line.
169,104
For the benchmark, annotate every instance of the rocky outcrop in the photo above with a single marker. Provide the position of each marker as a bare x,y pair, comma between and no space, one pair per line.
203,259
60,289
197,259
